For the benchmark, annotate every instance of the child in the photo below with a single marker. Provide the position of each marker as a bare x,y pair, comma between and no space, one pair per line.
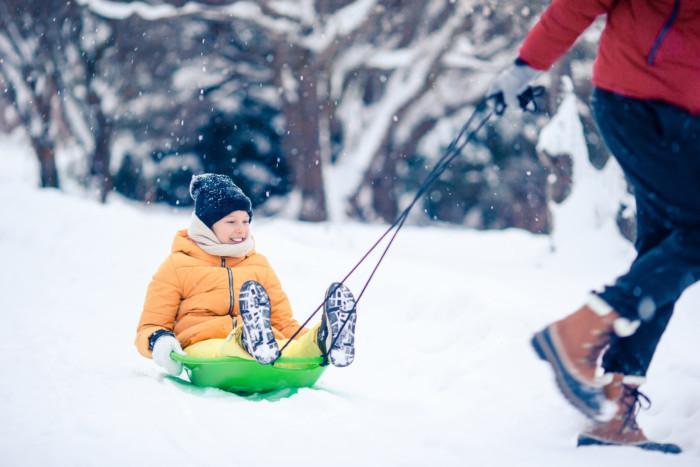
216,296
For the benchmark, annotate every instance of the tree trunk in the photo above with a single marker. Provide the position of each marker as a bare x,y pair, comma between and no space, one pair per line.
47,163
44,145
301,140
384,198
99,167
382,183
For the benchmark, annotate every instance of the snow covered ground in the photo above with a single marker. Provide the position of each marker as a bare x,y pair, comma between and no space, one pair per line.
443,376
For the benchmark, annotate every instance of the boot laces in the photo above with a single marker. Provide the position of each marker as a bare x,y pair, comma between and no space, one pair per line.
632,400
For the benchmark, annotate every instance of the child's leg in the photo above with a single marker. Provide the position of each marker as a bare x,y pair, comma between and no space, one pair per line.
217,348
305,346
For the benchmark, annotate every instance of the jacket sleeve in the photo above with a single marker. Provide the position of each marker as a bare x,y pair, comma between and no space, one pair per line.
558,28
281,310
161,305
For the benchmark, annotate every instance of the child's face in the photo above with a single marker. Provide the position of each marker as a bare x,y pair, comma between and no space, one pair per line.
232,229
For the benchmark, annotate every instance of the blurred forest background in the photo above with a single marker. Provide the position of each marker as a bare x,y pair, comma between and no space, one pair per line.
319,109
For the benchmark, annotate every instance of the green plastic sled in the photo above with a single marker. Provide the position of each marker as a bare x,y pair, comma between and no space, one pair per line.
243,376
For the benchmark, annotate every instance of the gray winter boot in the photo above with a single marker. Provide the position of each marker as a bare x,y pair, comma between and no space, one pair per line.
336,336
257,337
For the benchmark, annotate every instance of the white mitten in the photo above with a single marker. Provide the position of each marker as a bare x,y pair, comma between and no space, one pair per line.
164,345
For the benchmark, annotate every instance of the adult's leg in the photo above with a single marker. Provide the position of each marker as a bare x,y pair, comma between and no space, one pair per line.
631,356
658,147
658,278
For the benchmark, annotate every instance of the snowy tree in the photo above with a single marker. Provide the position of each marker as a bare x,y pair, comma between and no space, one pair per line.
88,100
597,199
30,62
365,95
360,83
51,54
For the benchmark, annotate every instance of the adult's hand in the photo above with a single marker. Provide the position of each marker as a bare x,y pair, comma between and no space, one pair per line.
511,83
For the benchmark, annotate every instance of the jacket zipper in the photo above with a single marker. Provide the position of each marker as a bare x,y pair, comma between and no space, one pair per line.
664,30
230,285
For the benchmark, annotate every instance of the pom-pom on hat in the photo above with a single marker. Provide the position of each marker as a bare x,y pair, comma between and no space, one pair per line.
216,196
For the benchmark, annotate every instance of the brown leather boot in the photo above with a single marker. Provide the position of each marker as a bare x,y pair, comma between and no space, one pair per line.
623,430
572,346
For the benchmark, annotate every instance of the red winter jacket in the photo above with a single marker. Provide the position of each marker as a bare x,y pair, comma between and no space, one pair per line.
650,49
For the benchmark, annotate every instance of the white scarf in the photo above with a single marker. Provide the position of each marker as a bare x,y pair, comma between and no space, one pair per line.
205,238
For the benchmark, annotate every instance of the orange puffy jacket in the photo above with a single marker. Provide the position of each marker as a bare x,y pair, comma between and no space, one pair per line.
195,295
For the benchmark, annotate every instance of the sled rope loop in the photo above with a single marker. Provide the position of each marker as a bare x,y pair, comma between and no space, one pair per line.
453,150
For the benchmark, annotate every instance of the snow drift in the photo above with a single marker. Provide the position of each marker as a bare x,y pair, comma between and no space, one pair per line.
443,375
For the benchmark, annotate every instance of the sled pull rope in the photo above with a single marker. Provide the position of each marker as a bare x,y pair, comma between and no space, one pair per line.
453,150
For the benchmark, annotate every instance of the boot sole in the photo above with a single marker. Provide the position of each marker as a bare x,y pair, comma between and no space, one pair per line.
338,308
667,448
257,337
586,401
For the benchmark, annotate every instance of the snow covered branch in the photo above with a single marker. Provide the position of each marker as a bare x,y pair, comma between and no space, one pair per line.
242,10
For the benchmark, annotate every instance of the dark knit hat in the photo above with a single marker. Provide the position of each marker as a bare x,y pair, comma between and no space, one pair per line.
216,196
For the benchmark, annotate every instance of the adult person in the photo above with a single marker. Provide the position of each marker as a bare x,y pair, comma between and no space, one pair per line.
646,103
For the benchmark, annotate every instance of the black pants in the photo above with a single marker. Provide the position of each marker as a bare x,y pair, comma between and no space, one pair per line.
658,147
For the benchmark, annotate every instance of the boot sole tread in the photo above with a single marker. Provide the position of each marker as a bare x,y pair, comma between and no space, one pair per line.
257,338
545,350
667,448
338,308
